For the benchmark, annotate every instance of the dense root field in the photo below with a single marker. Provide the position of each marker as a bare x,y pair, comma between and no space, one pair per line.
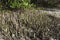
28,25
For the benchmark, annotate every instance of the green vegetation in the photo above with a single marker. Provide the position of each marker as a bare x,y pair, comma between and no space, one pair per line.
17,4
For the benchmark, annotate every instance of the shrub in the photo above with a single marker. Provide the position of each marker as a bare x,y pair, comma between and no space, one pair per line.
15,3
